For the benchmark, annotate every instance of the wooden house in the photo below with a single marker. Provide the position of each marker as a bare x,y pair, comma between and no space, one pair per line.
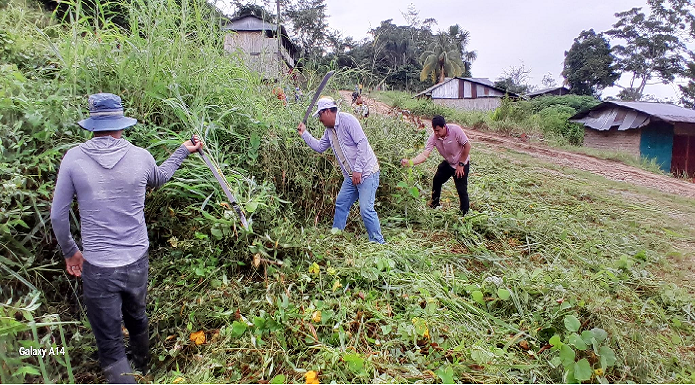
256,40
466,94
660,131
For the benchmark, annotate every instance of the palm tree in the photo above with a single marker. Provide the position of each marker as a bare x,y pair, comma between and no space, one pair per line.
446,56
461,38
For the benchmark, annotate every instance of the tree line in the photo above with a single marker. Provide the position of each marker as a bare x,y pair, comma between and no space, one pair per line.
647,44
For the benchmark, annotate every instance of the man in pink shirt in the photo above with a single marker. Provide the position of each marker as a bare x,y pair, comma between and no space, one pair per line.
453,144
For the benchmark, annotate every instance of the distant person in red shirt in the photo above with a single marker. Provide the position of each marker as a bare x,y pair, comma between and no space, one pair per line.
453,144
280,93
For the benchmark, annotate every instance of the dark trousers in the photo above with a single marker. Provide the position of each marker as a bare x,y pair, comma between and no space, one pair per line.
444,172
112,295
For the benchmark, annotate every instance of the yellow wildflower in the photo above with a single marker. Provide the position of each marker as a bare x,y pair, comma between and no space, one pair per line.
312,377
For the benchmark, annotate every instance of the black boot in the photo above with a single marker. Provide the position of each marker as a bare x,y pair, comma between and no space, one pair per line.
116,372
140,351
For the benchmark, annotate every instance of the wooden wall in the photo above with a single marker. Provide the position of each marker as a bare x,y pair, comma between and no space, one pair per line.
683,156
260,52
453,90
482,104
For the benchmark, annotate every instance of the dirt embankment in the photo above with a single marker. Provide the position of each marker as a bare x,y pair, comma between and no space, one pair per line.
607,168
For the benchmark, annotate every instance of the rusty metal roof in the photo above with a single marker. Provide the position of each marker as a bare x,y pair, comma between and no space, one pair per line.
628,115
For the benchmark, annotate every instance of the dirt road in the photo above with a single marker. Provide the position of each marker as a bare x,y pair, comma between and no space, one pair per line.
609,169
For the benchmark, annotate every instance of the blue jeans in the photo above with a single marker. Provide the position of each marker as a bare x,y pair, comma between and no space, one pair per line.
112,295
365,192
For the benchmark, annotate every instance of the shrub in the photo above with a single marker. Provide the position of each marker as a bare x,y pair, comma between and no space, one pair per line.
510,110
577,102
554,121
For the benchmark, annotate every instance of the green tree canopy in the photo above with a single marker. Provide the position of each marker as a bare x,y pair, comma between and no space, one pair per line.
688,91
589,65
309,25
650,47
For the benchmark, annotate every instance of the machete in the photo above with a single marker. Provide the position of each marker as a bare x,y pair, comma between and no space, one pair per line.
317,94
223,183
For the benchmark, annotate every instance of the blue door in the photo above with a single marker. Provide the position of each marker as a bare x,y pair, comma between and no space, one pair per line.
656,143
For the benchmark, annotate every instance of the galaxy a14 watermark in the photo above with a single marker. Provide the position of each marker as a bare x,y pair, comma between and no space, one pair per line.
31,351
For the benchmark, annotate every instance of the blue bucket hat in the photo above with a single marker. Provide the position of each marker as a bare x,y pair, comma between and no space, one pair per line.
106,114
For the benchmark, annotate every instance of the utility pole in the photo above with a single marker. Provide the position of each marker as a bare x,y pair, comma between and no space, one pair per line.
279,37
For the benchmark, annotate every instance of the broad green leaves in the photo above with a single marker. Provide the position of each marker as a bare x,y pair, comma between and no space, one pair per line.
582,370
576,350
446,374
572,323
354,362
238,328
478,297
504,294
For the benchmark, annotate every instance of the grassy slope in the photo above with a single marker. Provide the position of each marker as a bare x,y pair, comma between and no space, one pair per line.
562,242
472,299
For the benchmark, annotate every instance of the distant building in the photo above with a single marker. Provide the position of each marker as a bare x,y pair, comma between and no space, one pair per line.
466,94
256,40
554,91
660,131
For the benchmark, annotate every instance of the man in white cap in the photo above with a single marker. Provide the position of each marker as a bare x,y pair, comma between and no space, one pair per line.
110,176
357,161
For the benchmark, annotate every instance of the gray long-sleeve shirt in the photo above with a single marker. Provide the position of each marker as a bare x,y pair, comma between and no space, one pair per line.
110,177
352,141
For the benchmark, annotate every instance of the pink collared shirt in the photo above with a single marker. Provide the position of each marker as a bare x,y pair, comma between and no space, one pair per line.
451,146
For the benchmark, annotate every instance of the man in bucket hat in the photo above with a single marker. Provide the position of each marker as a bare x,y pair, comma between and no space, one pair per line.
109,176
357,161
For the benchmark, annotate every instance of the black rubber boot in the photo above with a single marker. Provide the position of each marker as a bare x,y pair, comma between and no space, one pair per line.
119,372
140,352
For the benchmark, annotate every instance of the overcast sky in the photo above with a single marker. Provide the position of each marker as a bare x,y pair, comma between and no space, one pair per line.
504,33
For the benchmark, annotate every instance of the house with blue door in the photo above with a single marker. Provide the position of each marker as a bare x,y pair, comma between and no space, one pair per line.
660,131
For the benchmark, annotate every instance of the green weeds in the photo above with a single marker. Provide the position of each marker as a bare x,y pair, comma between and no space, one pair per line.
554,275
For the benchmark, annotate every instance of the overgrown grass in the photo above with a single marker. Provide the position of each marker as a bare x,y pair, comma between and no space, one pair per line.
546,256
542,119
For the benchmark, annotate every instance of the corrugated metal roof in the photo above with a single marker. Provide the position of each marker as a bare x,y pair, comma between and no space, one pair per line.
254,23
483,81
547,90
636,115
428,91
664,111
249,23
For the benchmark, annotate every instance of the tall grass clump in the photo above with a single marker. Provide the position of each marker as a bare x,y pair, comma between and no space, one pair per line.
174,77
